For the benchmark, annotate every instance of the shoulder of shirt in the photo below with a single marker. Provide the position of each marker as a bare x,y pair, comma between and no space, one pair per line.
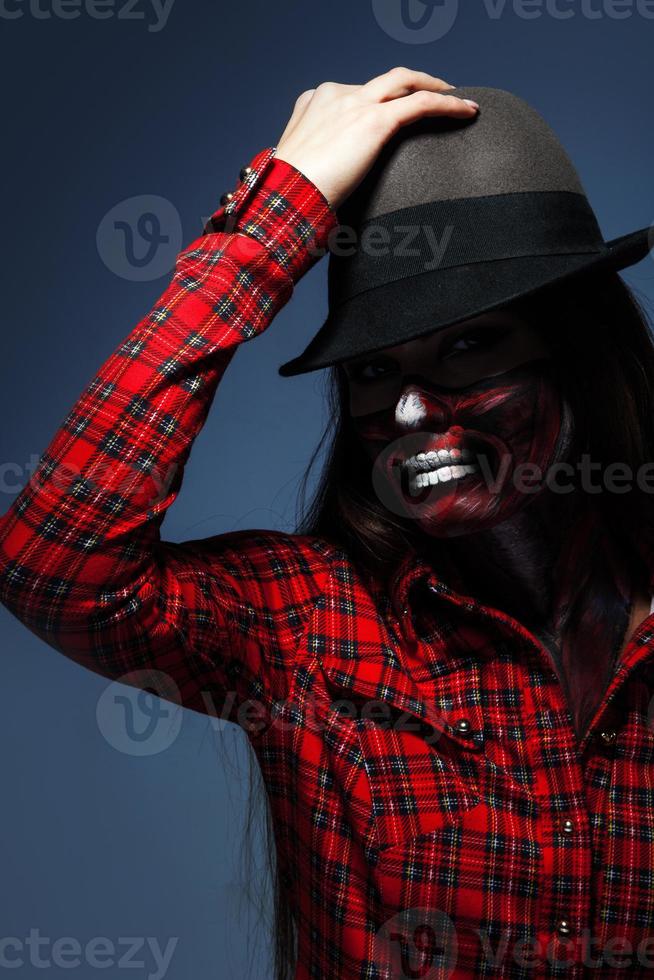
288,560
272,581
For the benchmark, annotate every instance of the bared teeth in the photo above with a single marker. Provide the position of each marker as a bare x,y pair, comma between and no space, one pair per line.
423,462
441,474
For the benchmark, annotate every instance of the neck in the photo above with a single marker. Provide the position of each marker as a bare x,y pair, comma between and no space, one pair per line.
511,565
529,567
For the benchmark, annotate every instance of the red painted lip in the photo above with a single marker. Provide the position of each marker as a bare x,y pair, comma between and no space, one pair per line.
445,441
437,444
473,442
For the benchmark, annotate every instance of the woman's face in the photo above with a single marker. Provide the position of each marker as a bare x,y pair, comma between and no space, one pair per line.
447,418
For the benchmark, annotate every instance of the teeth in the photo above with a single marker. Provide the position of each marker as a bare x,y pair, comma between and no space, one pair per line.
442,474
423,462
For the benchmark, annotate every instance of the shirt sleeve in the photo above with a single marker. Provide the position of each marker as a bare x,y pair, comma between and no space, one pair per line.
82,563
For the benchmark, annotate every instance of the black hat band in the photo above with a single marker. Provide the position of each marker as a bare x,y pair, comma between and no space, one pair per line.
444,234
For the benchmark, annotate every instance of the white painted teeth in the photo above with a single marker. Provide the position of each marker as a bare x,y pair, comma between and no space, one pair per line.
423,462
440,475
439,466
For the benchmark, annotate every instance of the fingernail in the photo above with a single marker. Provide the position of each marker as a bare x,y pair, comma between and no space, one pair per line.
475,105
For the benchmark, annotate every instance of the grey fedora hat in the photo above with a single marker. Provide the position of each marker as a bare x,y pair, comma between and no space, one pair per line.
456,218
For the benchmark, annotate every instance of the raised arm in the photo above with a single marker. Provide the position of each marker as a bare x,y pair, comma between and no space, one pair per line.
82,564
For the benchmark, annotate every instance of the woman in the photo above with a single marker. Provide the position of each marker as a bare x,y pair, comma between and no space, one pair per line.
445,678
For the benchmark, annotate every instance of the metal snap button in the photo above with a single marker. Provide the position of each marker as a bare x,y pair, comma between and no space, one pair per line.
226,198
463,726
244,172
563,927
567,826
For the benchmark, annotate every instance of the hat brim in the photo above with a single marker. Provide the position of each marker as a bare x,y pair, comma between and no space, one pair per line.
411,307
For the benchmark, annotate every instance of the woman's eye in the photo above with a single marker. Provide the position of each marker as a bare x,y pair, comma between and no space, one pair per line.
476,339
369,371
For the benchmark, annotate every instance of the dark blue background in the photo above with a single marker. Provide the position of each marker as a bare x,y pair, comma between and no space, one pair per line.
95,842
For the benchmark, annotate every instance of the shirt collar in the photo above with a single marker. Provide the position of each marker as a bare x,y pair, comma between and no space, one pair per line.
411,569
416,569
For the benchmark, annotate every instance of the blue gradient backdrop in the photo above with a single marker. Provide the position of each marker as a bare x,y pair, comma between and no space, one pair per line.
95,842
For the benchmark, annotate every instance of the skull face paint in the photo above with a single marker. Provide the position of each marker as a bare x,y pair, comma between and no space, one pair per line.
461,440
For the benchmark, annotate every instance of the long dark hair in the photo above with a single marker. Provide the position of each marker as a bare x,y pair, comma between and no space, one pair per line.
601,337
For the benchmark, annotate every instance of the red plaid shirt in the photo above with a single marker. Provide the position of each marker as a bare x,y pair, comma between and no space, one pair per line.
444,819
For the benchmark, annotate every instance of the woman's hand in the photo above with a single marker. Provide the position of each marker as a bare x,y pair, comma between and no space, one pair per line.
336,131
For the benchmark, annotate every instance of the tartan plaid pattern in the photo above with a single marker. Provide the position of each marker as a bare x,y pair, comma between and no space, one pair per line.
433,811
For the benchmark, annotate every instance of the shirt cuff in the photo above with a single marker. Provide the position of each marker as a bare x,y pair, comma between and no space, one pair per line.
279,206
